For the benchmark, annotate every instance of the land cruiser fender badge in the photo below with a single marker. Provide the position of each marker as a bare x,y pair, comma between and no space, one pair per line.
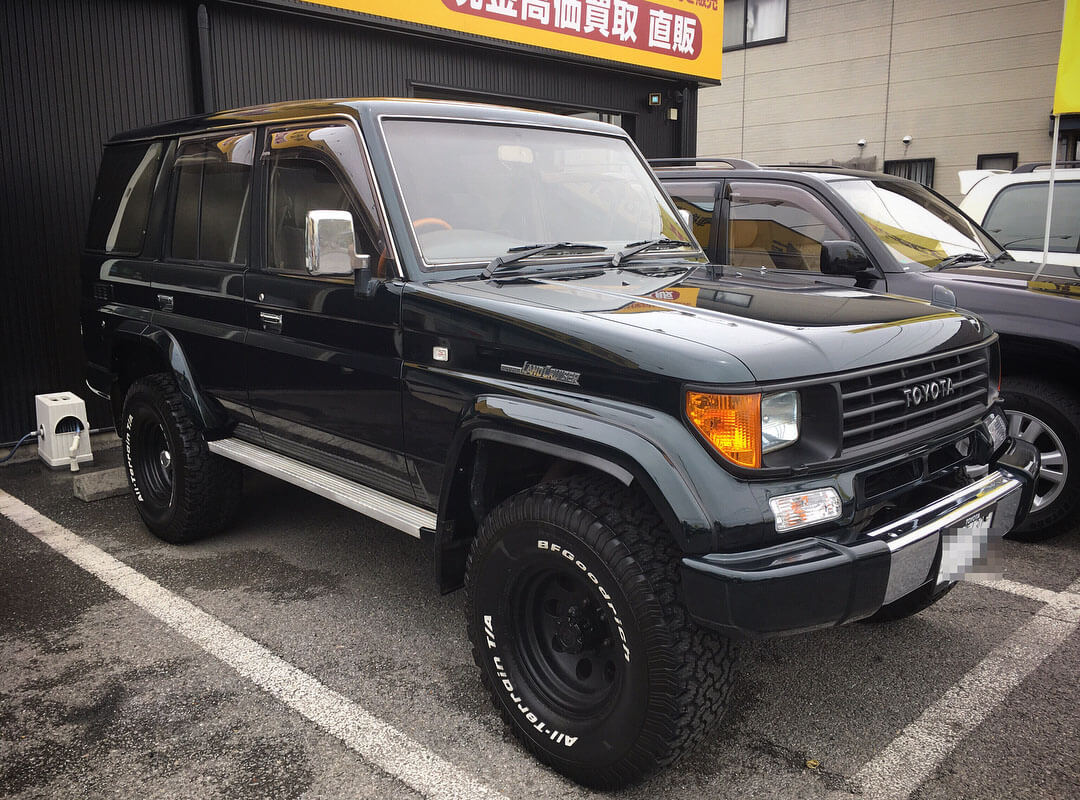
545,372
930,390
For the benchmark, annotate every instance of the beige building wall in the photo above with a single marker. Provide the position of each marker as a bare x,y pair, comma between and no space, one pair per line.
961,77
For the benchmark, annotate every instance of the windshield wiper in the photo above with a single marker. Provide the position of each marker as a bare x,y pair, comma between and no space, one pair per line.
960,258
514,254
633,248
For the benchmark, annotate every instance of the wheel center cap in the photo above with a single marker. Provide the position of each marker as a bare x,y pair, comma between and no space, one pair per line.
570,636
165,458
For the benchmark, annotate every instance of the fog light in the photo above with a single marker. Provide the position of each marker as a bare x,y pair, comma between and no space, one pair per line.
794,511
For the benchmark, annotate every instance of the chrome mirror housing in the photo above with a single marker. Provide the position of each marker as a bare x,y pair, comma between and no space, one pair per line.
330,244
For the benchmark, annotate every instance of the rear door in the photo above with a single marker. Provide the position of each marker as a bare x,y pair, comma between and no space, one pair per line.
198,284
324,365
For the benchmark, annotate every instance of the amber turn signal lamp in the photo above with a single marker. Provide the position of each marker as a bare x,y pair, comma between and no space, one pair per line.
730,422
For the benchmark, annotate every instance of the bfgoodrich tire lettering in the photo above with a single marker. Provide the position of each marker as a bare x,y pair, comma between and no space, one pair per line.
579,636
181,490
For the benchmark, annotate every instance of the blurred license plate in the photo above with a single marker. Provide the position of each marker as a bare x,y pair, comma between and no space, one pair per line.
965,546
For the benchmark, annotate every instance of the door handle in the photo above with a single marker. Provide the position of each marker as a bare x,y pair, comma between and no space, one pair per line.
270,322
165,302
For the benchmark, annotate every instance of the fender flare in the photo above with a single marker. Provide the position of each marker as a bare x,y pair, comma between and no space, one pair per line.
204,410
625,442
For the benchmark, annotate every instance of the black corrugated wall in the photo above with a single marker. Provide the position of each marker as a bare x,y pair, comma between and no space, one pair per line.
73,72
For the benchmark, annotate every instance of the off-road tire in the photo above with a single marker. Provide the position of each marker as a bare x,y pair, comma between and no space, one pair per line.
911,604
1058,409
196,493
591,533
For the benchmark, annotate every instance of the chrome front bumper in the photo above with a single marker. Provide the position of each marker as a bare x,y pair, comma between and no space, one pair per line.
959,526
817,582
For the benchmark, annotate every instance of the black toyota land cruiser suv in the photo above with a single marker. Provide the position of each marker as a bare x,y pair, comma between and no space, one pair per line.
853,228
492,330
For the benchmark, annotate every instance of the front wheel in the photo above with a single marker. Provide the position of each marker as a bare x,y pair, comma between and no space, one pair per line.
1048,416
579,636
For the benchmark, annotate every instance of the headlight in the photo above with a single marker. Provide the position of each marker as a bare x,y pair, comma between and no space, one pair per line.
779,420
743,426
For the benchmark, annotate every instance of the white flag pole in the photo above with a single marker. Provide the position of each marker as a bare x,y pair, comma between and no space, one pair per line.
1049,197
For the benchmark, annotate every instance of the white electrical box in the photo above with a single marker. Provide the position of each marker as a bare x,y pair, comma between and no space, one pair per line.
61,417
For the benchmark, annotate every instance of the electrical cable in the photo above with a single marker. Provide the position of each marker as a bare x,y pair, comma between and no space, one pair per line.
10,455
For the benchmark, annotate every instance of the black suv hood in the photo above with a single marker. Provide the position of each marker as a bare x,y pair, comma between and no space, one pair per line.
727,330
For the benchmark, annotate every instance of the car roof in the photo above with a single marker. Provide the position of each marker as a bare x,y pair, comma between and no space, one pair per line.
356,108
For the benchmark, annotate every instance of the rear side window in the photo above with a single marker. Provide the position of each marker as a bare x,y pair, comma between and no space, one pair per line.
212,195
1017,217
778,226
125,187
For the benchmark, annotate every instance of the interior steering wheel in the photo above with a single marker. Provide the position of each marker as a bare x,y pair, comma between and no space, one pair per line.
431,221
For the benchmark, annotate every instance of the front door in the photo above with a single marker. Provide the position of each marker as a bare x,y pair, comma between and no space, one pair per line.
324,374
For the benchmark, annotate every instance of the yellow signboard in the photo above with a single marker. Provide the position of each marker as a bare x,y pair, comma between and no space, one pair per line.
678,36
1067,89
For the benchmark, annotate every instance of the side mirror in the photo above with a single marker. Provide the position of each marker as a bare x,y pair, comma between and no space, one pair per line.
687,217
330,249
844,258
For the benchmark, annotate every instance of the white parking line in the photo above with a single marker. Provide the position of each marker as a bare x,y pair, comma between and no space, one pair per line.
923,745
376,741
1013,587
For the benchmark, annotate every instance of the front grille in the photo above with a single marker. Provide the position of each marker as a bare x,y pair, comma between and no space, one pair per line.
876,406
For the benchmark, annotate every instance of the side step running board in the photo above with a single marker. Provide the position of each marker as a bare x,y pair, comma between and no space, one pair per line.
382,507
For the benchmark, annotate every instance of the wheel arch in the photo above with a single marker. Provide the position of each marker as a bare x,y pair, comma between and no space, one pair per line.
139,350
1022,355
509,444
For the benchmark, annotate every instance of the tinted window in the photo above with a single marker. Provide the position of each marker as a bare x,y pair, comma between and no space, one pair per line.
778,225
122,201
700,200
212,180
318,169
1017,217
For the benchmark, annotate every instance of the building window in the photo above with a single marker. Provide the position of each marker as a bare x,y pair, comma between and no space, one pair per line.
753,22
1005,161
920,170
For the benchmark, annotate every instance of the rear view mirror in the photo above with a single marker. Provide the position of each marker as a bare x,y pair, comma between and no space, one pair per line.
844,258
330,248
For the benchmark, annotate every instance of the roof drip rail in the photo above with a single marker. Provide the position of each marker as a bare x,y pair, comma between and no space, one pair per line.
1036,164
733,163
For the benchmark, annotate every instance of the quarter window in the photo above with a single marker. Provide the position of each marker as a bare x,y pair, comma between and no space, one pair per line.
1017,217
122,201
212,179
778,226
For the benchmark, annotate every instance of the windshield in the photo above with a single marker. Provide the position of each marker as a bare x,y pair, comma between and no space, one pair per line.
473,191
915,224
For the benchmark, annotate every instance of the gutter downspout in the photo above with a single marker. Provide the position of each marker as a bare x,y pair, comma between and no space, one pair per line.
206,77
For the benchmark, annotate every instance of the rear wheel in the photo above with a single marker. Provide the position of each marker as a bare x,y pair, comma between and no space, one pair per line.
580,638
1048,416
182,491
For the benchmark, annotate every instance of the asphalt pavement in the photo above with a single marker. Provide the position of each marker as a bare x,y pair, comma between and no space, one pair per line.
306,653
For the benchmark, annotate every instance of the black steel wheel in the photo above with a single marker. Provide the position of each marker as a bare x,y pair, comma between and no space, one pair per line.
580,638
181,490
1048,416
